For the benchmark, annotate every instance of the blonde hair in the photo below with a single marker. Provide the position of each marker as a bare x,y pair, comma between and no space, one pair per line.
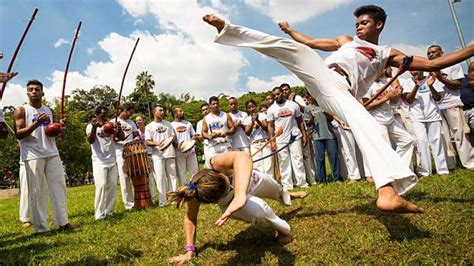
206,186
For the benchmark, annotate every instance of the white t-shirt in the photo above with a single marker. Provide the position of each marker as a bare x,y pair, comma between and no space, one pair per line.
299,100
149,150
284,115
157,132
217,123
199,131
184,131
239,138
37,145
128,127
382,113
424,108
258,132
451,98
103,148
362,61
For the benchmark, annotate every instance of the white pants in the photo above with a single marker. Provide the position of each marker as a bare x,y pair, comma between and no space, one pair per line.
453,120
404,118
46,180
428,135
125,183
24,197
186,161
404,142
309,162
266,165
347,148
164,172
105,177
331,91
256,211
291,161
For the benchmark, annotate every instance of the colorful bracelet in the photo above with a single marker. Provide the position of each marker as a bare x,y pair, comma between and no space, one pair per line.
191,248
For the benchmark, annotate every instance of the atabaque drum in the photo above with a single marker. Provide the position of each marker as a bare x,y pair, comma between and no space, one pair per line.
138,169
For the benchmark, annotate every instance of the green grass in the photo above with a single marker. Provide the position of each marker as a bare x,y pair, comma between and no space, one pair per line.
334,224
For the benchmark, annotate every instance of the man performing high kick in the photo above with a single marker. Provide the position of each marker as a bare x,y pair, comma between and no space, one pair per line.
354,65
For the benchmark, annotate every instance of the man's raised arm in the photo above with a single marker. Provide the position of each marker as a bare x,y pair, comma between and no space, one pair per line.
327,45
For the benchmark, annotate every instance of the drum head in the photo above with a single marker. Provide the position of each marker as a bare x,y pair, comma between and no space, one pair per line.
187,145
165,143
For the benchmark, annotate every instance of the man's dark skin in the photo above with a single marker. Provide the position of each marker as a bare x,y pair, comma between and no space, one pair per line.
99,121
418,77
204,111
280,99
35,95
214,105
233,105
269,100
436,52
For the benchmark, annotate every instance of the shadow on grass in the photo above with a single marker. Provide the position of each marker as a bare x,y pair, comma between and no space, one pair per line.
124,255
249,252
32,253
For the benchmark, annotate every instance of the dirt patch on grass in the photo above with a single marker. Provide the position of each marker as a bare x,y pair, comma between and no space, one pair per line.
9,193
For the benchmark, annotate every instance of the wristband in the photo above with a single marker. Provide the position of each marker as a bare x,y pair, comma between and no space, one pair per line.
191,248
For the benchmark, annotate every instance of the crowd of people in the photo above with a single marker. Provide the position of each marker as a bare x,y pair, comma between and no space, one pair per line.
389,139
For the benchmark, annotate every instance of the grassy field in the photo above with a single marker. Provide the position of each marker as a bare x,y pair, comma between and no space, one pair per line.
334,224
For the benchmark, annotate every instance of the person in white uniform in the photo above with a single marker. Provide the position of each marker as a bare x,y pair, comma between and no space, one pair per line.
292,96
140,122
230,182
451,109
164,161
256,128
131,133
184,131
198,136
104,162
422,94
25,217
43,166
382,110
240,140
362,59
286,115
217,128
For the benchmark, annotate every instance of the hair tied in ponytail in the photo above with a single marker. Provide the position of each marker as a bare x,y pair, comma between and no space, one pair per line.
191,185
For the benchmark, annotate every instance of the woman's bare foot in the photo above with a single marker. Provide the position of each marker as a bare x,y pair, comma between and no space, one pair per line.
389,201
215,21
284,239
298,194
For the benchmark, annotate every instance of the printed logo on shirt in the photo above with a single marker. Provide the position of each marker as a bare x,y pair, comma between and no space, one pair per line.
181,129
161,129
126,127
423,89
285,112
367,52
216,125
35,118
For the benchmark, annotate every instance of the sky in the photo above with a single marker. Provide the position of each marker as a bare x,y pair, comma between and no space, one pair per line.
178,49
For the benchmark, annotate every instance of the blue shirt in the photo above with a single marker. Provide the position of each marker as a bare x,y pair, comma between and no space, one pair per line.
467,94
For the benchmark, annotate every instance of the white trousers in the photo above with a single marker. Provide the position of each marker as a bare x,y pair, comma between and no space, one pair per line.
453,120
404,118
291,161
186,161
244,149
404,142
24,197
46,180
309,162
164,172
331,91
151,179
347,147
125,184
428,135
105,177
266,165
256,211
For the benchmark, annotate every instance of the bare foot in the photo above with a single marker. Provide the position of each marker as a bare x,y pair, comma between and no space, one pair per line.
284,239
26,224
214,21
389,201
298,194
370,179
352,181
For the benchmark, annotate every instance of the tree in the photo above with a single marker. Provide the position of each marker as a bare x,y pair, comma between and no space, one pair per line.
142,97
87,100
186,97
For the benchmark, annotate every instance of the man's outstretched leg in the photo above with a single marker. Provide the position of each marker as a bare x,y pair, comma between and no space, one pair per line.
331,92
